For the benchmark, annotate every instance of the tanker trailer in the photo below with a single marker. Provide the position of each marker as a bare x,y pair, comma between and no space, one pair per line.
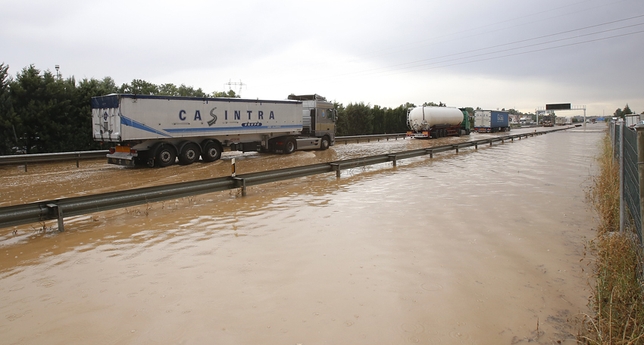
437,122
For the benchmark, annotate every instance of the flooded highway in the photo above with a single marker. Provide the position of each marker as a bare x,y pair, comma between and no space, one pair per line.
58,180
480,247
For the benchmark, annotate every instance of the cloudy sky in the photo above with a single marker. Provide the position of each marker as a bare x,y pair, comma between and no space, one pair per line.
491,54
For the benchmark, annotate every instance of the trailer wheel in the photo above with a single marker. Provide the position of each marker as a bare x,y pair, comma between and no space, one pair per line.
325,143
211,151
166,155
189,153
290,146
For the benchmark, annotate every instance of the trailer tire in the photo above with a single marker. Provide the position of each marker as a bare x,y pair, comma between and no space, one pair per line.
165,155
325,143
290,145
188,153
211,151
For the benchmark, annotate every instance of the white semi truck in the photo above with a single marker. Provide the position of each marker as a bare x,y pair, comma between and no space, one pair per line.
159,130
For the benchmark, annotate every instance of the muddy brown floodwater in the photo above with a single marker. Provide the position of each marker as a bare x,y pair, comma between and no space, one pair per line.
480,247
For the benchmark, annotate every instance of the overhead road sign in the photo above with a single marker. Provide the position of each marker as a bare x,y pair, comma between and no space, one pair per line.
558,106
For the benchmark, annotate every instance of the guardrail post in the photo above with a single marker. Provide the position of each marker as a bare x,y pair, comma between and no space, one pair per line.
241,183
490,142
456,147
431,153
392,158
59,214
78,160
336,167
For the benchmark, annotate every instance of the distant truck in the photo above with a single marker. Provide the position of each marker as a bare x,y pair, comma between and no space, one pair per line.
631,120
437,122
491,121
158,131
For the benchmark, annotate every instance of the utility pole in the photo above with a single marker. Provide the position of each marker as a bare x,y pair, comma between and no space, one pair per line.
235,84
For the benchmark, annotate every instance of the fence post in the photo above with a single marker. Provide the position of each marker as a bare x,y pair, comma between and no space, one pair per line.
640,172
621,176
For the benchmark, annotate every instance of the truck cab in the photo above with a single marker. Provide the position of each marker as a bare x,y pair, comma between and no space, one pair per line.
318,121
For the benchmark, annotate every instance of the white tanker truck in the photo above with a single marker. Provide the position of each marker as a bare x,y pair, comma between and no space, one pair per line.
437,122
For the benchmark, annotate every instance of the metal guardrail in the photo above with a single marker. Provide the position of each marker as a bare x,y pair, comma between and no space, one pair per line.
369,138
59,208
85,155
51,157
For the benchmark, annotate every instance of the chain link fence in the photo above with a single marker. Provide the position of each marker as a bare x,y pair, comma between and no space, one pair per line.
626,148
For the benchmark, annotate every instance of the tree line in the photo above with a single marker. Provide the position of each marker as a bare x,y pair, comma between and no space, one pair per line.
41,112
623,112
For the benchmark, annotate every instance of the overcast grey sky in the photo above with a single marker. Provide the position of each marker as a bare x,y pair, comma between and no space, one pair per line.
491,54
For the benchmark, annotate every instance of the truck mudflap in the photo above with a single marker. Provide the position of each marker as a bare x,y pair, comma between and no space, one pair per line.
121,161
418,135
121,155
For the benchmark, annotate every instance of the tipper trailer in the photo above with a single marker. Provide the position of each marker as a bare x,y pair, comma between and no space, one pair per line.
156,130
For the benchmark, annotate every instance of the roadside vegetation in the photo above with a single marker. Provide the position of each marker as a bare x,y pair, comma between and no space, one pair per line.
616,303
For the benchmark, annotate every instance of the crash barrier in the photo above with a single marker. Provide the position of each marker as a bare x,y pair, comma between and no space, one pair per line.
26,159
369,138
58,209
32,158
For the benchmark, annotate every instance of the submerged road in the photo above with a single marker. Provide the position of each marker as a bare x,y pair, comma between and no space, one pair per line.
58,209
472,248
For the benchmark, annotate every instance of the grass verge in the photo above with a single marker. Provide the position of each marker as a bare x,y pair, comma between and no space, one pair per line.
617,303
